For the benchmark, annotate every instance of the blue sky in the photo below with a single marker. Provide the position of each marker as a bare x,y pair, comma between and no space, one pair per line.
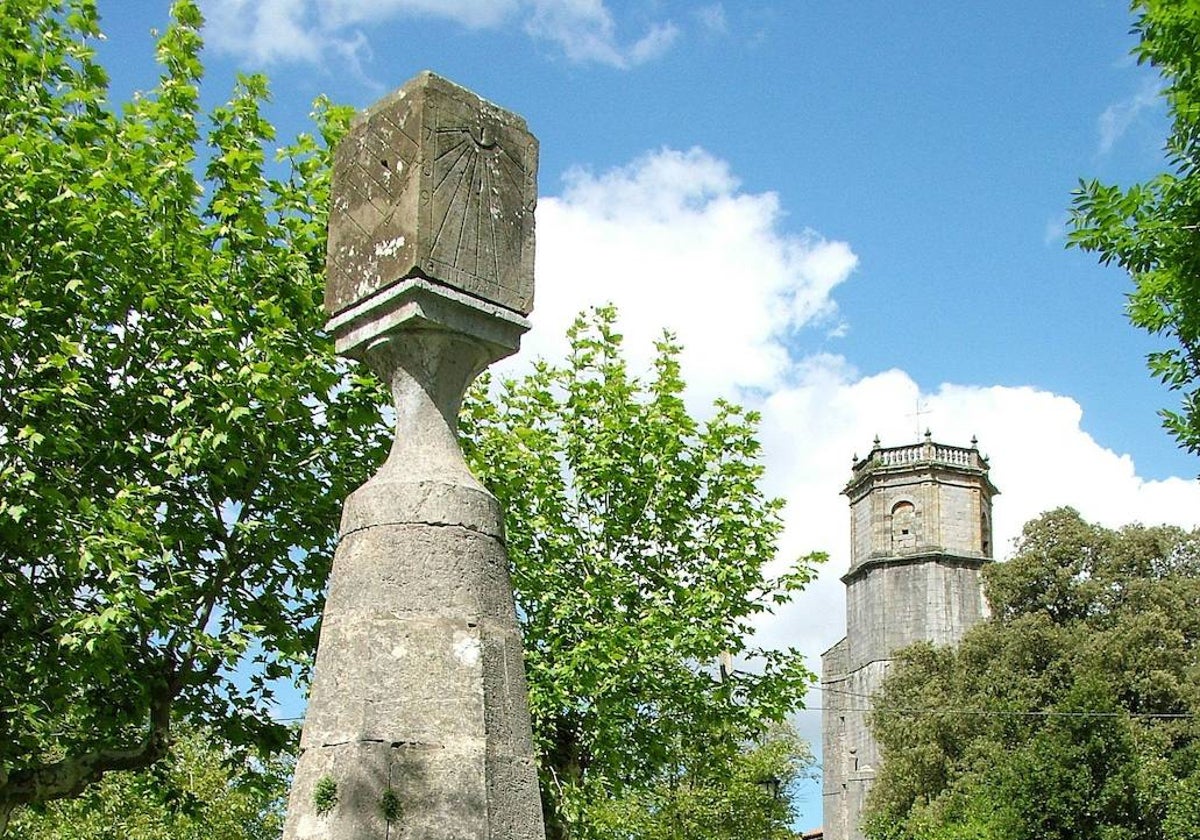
844,210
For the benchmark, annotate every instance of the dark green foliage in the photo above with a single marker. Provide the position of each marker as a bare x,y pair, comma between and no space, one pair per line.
389,806
200,793
1070,714
735,804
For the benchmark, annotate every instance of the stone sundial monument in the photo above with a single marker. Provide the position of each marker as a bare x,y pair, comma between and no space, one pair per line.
418,719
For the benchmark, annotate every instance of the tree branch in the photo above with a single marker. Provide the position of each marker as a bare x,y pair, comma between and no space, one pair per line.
68,777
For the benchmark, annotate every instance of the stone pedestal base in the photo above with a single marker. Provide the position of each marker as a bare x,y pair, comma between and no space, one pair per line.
420,684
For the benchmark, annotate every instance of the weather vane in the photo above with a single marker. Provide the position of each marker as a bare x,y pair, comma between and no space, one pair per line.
917,414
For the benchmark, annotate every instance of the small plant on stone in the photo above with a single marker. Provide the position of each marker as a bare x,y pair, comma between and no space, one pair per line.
389,805
325,795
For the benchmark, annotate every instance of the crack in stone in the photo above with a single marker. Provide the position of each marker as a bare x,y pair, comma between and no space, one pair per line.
395,745
472,529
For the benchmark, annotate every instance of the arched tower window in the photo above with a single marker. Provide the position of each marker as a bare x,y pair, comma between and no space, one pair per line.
904,526
985,534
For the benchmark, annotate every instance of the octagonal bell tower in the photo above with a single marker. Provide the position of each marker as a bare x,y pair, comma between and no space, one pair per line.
920,532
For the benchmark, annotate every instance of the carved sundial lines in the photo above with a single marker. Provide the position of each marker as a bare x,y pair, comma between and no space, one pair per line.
487,211
463,150
482,204
363,191
477,231
493,212
445,205
375,163
462,207
513,168
482,168
400,128
458,138
427,153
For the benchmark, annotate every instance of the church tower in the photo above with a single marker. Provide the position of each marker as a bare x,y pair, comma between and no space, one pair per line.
920,532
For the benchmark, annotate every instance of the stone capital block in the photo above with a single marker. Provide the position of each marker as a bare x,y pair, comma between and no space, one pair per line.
434,183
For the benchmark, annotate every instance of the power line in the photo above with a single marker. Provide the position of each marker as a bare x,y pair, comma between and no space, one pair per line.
1000,713
1047,713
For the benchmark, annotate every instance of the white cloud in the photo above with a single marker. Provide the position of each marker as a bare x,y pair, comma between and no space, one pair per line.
475,14
310,31
653,44
674,241
1041,458
1118,117
1055,230
676,244
264,31
586,32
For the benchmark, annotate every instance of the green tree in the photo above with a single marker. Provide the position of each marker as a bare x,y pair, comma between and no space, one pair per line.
1070,713
176,435
199,793
1152,230
176,440
640,544
747,799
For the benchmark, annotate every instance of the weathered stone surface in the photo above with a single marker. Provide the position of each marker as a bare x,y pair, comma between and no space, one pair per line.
434,182
425,502
920,522
417,304
420,683
419,688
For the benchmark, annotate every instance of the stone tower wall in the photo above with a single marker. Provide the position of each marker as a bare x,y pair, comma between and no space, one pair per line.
917,510
931,598
920,520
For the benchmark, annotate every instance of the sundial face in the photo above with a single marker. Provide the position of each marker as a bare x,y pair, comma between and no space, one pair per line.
480,190
434,182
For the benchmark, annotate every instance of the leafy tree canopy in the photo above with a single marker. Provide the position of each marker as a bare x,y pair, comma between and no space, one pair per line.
1070,714
176,436
176,440
749,799
199,793
1152,230
640,544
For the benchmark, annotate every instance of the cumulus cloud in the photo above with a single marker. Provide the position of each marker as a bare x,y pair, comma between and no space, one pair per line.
1041,457
675,241
265,31
586,32
311,31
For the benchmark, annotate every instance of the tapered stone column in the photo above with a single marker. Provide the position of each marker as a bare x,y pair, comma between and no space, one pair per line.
418,719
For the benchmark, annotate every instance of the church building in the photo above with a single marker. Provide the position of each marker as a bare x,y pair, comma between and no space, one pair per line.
920,532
